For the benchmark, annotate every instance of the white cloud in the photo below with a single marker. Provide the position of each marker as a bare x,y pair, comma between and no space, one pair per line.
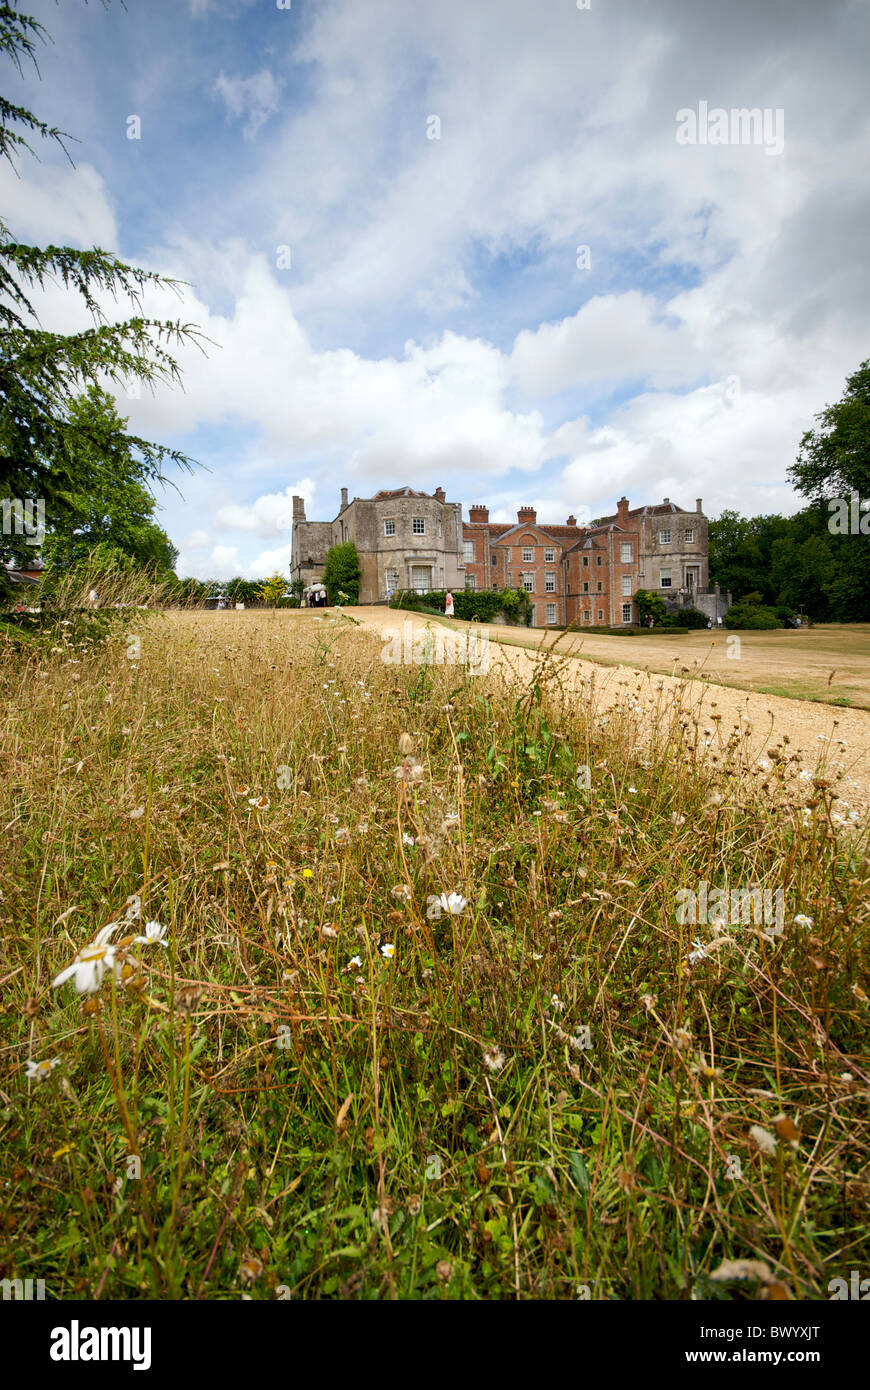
197,540
267,515
255,97
50,204
269,562
557,130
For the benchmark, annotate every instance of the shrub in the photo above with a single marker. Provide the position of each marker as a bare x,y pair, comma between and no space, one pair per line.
751,617
472,605
341,572
691,618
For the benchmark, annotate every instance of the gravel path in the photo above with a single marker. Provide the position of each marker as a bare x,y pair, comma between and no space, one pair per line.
840,736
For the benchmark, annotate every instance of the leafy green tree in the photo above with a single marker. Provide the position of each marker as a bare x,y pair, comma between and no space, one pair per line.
341,572
245,591
43,372
99,498
741,552
802,569
273,590
834,460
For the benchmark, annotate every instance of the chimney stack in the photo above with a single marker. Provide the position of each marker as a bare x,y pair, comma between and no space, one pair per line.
439,494
572,520
698,505
526,516
622,510
478,515
343,498
666,501
298,509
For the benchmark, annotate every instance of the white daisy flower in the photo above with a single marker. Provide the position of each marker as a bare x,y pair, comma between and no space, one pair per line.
91,963
41,1071
698,953
154,934
454,903
388,950
493,1058
802,920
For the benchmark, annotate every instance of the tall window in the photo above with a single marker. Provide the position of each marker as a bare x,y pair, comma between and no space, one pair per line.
600,587
586,586
549,555
389,528
549,583
529,583
528,554
690,535
625,554
418,525
470,581
586,615
599,560
601,615
468,554
626,612
626,585
494,561
665,579
585,561
664,537
392,578
551,612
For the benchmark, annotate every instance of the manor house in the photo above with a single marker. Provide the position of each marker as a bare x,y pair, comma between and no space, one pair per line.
572,573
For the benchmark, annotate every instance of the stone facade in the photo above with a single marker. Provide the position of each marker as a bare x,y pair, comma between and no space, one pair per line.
572,574
404,539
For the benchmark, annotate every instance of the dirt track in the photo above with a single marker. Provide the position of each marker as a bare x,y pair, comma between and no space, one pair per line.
841,736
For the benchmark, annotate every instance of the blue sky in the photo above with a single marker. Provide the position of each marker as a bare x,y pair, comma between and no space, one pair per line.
433,326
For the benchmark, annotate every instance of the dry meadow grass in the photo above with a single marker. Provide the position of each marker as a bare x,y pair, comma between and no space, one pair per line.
325,1081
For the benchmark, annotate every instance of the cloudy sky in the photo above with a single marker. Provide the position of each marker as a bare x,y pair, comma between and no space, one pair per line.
461,244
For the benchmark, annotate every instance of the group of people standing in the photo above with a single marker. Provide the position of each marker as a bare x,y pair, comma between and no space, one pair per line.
315,597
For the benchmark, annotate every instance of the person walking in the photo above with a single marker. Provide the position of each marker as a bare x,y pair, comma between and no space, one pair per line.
448,605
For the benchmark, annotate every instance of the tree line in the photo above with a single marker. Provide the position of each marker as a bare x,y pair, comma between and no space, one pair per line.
816,562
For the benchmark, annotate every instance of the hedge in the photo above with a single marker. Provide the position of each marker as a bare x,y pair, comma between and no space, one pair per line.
469,604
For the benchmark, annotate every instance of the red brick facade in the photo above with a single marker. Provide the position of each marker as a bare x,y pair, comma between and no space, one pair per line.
588,574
